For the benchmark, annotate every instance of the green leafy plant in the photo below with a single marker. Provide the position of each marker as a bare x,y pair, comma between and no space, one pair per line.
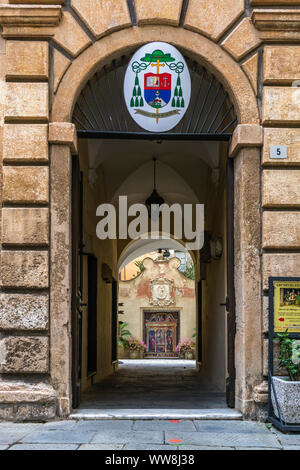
289,355
140,266
125,334
189,272
194,333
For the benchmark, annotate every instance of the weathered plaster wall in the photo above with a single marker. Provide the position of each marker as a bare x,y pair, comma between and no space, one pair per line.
106,252
214,363
136,296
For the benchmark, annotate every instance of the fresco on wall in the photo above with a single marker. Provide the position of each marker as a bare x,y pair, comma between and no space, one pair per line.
161,333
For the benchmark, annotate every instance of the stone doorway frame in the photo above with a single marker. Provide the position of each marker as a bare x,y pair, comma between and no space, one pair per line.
245,149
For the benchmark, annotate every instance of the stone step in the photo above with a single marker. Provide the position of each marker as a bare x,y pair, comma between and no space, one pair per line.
205,414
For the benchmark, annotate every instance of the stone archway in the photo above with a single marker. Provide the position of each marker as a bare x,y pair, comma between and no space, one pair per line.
247,162
199,47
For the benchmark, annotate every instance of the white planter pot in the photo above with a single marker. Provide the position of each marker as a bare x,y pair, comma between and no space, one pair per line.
288,398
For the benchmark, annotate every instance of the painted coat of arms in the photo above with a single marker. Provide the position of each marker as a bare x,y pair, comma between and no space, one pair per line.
161,292
157,87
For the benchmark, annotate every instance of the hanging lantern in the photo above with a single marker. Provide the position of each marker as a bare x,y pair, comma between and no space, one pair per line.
154,201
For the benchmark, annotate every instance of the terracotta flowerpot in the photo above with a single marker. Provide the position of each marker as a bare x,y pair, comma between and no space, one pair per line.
288,399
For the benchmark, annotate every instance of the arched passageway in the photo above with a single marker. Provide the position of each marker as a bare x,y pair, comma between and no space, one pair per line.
115,160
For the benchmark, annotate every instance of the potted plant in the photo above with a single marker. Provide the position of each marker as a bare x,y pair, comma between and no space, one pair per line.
186,349
123,340
287,388
136,348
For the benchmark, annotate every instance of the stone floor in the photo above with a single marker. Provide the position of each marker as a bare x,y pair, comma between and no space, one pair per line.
152,388
149,389
145,435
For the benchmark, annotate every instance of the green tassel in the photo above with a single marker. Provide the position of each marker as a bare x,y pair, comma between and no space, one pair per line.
180,91
137,101
134,91
178,103
178,81
141,102
132,103
136,81
173,102
182,102
176,92
139,91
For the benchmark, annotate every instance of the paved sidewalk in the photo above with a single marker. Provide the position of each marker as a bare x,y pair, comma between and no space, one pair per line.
145,435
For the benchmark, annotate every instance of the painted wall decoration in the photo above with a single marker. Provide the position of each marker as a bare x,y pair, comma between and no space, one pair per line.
161,292
161,333
157,87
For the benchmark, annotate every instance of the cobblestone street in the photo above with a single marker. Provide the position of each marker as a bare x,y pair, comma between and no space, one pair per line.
145,435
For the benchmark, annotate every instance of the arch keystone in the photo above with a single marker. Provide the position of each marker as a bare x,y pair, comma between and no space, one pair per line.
157,12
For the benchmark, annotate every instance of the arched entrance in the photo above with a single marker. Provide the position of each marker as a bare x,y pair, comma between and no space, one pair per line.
116,160
218,61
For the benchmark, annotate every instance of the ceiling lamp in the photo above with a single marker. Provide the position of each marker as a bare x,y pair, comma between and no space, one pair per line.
154,201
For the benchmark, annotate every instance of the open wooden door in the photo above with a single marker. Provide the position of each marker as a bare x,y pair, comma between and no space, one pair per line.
230,300
76,280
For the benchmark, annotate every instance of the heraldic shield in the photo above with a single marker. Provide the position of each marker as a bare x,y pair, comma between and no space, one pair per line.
157,89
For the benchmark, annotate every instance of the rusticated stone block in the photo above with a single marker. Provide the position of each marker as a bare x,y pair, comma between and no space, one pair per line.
24,184
39,2
251,69
27,101
274,2
24,311
103,17
278,265
166,12
281,64
63,133
281,105
60,65
27,226
265,314
27,59
281,230
243,39
35,412
245,135
288,137
24,354
70,36
281,188
27,269
18,392
6,412
212,18
25,143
